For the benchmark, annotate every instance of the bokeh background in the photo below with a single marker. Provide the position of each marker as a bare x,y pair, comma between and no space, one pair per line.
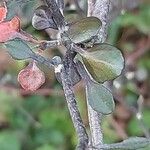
41,121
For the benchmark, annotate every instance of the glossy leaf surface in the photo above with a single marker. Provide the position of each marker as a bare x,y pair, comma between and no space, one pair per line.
84,29
104,62
18,49
99,98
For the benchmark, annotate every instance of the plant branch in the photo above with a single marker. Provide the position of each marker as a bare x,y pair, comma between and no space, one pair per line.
94,117
98,9
64,70
48,44
42,60
79,9
57,15
101,11
129,144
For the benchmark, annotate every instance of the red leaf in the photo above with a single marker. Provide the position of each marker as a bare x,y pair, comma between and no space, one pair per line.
15,24
9,29
31,78
3,13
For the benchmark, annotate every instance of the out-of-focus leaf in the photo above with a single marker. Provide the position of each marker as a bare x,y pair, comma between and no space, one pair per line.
43,19
140,21
110,135
18,49
134,126
9,141
99,98
84,29
46,147
55,118
114,31
104,62
42,136
118,5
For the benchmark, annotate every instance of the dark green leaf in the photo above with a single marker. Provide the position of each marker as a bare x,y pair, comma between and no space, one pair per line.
84,29
18,49
104,62
99,98
42,18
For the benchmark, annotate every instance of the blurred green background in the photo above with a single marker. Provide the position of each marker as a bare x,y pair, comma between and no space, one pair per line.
41,121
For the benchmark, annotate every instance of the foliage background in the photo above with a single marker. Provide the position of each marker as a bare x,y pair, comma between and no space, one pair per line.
40,120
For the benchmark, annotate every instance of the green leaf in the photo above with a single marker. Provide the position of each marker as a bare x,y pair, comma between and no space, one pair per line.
84,29
18,49
9,141
99,98
134,125
104,62
132,143
46,147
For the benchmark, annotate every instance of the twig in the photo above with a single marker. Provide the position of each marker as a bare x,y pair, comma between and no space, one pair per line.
94,117
80,11
95,120
100,9
57,15
72,105
91,4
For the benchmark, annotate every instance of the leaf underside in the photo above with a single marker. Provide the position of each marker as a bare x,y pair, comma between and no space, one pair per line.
99,98
18,49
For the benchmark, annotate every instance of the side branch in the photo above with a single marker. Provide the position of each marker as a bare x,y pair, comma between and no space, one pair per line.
99,9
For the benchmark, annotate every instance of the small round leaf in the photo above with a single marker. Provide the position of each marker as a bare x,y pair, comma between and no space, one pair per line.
43,19
31,78
84,29
18,49
103,61
99,98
